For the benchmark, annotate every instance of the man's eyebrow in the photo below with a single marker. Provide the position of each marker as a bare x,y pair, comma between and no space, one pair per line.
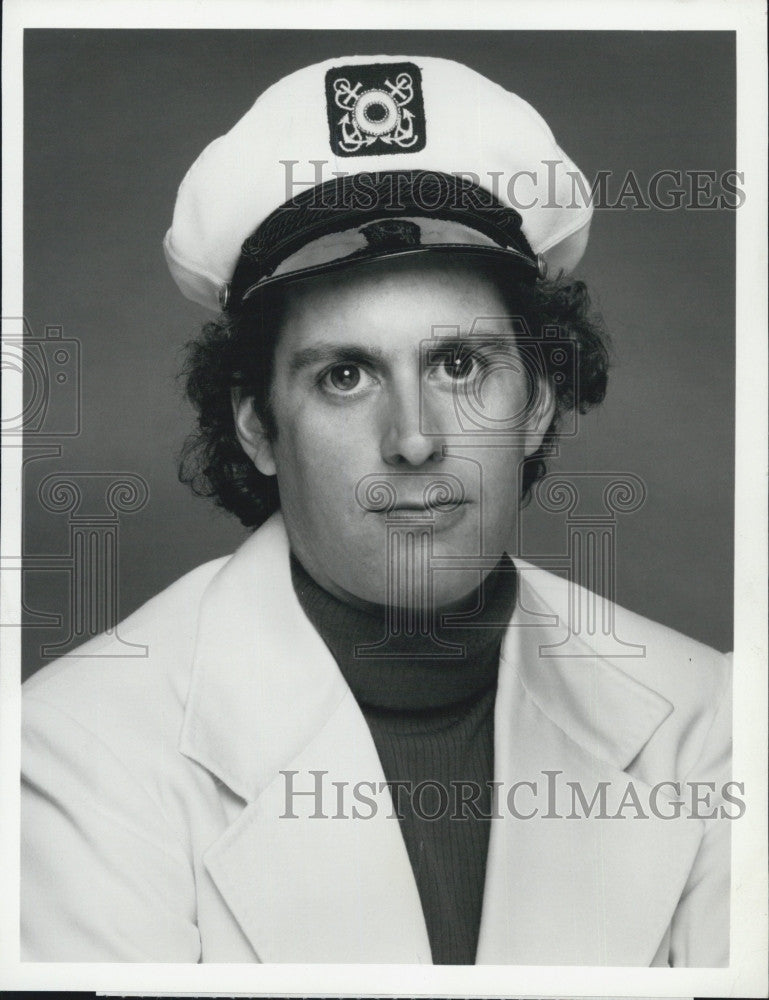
330,352
454,340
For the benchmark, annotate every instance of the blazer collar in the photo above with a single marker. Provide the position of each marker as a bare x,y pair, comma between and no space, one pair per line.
263,678
263,681
598,705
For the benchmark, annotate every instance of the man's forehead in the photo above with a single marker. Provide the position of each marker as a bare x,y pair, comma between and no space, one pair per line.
428,298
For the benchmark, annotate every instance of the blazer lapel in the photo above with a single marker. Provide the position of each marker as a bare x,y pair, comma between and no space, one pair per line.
302,885
568,891
308,887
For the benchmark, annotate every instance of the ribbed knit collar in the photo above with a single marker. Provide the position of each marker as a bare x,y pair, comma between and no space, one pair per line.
451,664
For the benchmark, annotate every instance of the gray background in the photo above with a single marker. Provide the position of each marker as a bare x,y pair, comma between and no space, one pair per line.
113,119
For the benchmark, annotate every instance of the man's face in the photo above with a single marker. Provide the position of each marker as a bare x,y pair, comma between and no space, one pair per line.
402,410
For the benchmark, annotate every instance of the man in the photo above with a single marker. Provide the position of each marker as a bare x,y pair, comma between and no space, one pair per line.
371,735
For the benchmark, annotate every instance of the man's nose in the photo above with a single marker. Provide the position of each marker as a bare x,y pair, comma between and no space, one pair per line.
411,432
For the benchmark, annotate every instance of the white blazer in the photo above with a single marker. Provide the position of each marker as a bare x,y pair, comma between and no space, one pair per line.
154,824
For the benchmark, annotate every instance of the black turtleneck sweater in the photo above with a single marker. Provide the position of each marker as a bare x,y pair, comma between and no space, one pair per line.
431,716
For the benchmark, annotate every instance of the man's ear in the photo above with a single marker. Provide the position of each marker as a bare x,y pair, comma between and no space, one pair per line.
251,433
542,409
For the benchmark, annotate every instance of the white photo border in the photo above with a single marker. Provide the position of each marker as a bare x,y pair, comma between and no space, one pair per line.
746,975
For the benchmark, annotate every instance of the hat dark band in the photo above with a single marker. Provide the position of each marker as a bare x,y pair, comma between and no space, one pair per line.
397,200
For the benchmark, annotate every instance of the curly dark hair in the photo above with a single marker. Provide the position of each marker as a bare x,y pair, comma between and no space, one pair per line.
236,350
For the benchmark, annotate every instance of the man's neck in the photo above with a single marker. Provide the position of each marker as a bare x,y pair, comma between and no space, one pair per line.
402,661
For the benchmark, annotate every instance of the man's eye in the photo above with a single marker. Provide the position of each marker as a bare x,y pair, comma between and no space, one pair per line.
461,365
343,378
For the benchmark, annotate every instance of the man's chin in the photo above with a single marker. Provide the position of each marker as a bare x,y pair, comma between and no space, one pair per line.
418,573
420,590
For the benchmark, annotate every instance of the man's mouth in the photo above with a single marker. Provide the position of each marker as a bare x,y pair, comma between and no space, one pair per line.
438,513
415,495
428,508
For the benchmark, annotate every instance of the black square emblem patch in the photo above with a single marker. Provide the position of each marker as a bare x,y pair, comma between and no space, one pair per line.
375,109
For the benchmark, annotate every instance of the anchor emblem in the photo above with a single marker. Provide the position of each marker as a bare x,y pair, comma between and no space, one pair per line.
380,112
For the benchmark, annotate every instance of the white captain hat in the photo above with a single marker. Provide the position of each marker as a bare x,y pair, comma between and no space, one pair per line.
368,156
